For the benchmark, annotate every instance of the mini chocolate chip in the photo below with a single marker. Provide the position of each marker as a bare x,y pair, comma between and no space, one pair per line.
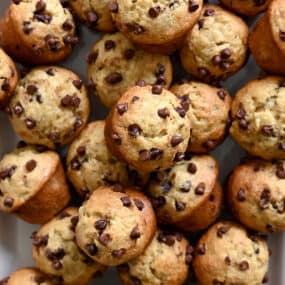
50,72
158,202
104,239
30,123
40,241
43,17
56,264
140,83
139,204
222,230
8,202
27,29
134,130
92,57
181,111
74,221
282,35
31,165
31,89
180,206
54,136
178,156
166,239
135,99
155,153
200,24
209,12
189,254
268,130
92,249
265,197
166,186
18,109
7,173
126,201
201,249
222,94
228,260
116,139
160,80
81,150
100,225
67,25
156,89
92,18
163,113
114,78
53,43
176,140
280,172
243,124
192,168
119,253
153,12
160,69
113,7
77,83
109,44
78,123
75,164
129,54
241,195
192,6
135,28
226,53
200,188
240,114
122,108
144,155
210,144
123,268
243,266
217,59
135,233
70,40
17,2
40,6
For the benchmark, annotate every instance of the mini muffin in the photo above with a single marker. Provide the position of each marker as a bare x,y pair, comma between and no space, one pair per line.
264,50
216,47
56,253
156,23
114,65
226,254
50,106
37,31
90,164
188,195
94,13
32,184
115,225
165,261
8,78
246,7
27,276
256,192
209,112
259,119
149,128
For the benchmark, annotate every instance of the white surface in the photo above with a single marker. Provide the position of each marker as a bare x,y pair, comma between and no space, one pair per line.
15,242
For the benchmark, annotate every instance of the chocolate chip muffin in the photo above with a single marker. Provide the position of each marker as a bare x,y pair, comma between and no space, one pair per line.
90,164
114,65
156,23
209,112
115,225
37,31
8,78
188,195
56,253
149,128
227,254
94,13
50,106
248,7
216,47
258,117
263,48
165,261
27,276
33,184
255,195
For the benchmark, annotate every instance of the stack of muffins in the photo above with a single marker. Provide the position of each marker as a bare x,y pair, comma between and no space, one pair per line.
142,180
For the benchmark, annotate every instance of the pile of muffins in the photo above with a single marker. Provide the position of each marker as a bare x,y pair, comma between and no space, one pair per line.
136,187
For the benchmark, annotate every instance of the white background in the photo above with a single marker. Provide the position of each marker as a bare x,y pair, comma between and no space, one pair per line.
15,242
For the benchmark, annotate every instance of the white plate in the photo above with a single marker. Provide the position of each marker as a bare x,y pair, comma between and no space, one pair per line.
15,242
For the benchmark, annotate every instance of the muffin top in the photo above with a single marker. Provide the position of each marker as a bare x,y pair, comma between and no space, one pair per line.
226,254
149,128
50,106
159,22
259,119
115,64
23,173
